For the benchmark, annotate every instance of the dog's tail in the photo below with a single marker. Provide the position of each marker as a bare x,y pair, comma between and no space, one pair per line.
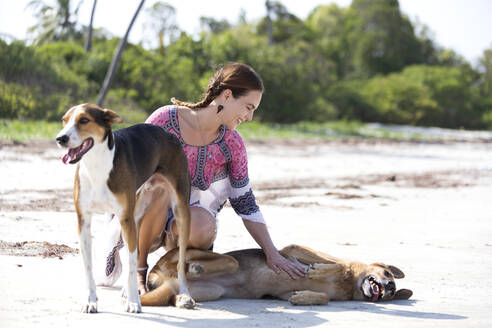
162,295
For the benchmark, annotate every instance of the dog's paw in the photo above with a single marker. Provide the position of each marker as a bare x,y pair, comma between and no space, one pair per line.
90,307
311,272
307,297
184,301
133,307
321,270
194,270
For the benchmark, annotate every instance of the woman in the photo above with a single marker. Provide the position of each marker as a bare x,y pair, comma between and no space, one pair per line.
217,164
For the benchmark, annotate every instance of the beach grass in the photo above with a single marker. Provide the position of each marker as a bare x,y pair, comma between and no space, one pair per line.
25,130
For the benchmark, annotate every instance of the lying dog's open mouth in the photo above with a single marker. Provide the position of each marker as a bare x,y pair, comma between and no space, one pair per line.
75,154
374,290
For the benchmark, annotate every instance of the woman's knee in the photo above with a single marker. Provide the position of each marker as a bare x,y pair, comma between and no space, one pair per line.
203,229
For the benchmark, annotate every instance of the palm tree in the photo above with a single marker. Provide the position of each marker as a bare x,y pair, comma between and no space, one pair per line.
88,40
108,80
55,22
162,20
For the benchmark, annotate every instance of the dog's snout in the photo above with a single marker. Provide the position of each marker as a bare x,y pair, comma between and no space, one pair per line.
391,285
62,140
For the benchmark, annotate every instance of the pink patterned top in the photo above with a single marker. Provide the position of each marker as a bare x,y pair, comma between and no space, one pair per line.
218,171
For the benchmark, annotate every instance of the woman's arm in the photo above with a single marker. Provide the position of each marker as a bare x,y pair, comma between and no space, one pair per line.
275,260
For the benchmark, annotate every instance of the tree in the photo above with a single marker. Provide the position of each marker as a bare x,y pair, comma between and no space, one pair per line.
280,25
162,20
268,22
382,40
88,40
56,22
213,25
328,24
486,66
108,80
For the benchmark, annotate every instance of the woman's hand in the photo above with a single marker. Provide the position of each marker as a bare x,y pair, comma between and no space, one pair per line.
277,262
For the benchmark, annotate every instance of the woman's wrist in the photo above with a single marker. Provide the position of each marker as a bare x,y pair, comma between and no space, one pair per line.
270,251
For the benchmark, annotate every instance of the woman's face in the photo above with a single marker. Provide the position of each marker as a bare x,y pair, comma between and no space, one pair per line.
238,110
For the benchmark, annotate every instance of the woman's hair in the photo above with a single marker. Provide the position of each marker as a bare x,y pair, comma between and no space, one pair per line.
239,78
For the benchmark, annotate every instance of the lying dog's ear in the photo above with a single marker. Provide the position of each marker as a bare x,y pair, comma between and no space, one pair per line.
403,294
111,117
397,273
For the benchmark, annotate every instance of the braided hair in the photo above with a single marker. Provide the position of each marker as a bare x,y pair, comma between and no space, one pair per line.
239,78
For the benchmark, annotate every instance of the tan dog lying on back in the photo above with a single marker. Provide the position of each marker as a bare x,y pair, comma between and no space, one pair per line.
245,274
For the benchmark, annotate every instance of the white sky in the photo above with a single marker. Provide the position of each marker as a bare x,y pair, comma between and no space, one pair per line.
463,25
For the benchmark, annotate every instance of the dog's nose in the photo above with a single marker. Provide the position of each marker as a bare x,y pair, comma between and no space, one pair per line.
62,140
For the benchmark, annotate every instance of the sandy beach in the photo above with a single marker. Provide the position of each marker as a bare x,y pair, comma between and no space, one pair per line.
423,207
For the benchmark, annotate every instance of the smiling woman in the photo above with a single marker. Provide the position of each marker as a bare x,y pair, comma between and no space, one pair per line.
218,168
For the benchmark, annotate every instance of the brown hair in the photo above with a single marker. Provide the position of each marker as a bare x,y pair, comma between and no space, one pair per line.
239,78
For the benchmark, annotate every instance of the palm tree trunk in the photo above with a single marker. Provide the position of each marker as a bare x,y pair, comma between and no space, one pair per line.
269,22
88,41
108,80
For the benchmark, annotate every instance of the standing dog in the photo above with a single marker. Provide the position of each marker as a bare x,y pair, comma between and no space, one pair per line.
245,274
111,168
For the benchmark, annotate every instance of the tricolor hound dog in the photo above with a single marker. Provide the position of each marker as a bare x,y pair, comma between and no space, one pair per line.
111,167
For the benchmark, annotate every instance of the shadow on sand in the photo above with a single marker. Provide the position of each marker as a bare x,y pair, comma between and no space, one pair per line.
262,313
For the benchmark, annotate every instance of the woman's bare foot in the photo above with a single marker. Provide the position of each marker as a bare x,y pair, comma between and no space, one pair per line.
142,280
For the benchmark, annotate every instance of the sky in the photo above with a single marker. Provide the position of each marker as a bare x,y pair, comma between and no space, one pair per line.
462,25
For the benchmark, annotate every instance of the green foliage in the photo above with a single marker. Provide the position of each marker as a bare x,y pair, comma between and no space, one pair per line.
367,62
21,130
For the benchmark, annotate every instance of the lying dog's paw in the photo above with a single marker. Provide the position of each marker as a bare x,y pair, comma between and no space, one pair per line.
307,297
194,270
312,271
184,301
321,270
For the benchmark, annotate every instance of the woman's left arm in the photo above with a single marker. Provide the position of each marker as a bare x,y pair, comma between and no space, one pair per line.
275,260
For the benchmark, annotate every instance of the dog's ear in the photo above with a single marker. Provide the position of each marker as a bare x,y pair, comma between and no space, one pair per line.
403,294
111,117
397,273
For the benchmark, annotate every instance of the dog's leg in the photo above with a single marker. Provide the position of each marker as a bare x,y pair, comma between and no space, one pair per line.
308,297
85,239
183,299
84,230
307,256
210,264
323,270
129,229
203,291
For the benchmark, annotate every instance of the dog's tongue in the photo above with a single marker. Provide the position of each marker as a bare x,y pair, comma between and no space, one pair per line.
375,293
73,152
69,156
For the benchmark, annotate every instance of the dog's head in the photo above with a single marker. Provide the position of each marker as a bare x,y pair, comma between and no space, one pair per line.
376,282
83,126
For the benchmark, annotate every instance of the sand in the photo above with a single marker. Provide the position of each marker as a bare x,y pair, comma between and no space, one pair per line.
424,207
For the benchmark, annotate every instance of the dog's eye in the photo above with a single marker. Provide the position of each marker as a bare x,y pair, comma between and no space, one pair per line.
387,274
83,120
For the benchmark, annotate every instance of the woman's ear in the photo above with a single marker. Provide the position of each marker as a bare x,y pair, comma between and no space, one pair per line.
227,93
